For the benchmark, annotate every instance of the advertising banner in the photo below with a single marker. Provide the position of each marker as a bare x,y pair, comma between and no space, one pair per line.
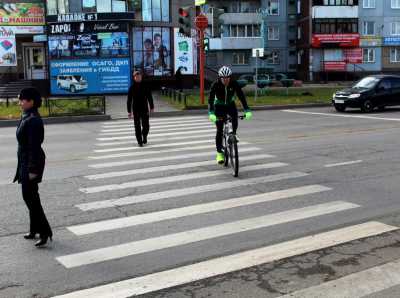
391,41
8,51
22,14
22,29
342,40
334,66
353,56
90,76
185,53
370,41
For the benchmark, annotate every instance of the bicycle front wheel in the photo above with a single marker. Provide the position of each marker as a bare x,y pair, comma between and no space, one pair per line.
234,156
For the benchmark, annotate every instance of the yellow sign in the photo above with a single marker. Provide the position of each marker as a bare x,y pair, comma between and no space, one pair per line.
22,14
200,2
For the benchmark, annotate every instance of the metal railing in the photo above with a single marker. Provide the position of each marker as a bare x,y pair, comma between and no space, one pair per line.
175,95
74,106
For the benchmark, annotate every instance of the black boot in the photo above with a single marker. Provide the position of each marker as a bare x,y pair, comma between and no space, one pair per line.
43,241
30,236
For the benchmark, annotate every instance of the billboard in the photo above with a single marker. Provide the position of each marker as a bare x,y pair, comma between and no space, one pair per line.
353,56
8,51
22,14
185,53
89,76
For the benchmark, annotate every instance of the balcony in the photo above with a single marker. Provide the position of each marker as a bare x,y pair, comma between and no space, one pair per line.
238,18
333,12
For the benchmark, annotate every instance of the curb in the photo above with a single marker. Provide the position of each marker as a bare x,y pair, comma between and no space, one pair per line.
60,120
201,111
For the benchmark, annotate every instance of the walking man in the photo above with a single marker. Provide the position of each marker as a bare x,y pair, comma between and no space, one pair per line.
139,100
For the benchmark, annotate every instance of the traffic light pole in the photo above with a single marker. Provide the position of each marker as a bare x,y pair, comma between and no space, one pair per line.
202,62
201,25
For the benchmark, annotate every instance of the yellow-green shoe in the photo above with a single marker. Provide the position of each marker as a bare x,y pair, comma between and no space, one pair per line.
220,158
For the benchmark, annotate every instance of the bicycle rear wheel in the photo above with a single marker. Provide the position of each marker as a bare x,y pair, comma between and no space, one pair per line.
234,156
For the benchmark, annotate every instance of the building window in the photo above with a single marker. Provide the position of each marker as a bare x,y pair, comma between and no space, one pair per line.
394,55
155,10
89,5
273,33
395,28
240,59
151,50
57,6
335,2
395,3
368,55
272,57
335,26
298,32
273,7
241,31
333,55
256,30
368,3
369,28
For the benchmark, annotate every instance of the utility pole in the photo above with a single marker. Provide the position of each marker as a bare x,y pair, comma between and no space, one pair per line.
201,25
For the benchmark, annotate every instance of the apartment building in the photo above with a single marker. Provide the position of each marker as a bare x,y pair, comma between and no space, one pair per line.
243,29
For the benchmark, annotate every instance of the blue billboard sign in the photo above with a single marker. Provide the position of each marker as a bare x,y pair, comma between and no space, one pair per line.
391,41
89,76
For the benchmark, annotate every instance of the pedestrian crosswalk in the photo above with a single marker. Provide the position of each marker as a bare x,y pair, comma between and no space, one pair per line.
153,176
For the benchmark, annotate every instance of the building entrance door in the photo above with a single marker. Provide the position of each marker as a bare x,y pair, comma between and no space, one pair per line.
34,62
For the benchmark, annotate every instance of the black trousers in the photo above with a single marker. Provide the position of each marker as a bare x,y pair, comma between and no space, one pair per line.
222,112
142,126
38,220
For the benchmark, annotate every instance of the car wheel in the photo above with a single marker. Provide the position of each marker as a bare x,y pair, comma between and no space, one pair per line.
340,108
72,88
367,106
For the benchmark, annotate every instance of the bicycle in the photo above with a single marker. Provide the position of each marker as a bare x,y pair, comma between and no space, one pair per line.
230,146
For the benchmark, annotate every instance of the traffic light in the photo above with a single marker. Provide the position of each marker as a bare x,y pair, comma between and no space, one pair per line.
216,22
185,21
206,44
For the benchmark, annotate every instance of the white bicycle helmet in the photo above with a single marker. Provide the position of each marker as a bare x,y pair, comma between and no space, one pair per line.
224,72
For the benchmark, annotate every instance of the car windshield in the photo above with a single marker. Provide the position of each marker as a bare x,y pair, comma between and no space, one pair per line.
78,78
367,83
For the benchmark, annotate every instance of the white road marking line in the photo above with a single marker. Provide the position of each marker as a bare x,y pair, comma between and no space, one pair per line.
180,192
193,236
158,169
149,152
352,162
175,178
154,146
235,262
159,120
342,115
210,154
131,127
192,132
120,223
355,285
158,130
151,139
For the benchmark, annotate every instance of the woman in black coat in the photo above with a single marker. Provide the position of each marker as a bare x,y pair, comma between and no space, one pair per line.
31,162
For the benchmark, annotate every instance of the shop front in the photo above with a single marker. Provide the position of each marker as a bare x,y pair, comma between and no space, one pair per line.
337,56
21,57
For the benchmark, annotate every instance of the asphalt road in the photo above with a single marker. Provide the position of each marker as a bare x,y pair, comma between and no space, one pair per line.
316,205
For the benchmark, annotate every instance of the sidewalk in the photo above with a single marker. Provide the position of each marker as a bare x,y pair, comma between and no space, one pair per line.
116,106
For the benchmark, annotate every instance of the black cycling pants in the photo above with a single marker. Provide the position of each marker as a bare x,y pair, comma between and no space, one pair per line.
142,126
221,112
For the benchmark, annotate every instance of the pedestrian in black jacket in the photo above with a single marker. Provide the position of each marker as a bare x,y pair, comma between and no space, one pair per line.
139,100
31,162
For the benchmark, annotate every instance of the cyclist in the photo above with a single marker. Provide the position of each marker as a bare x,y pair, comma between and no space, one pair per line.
221,103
